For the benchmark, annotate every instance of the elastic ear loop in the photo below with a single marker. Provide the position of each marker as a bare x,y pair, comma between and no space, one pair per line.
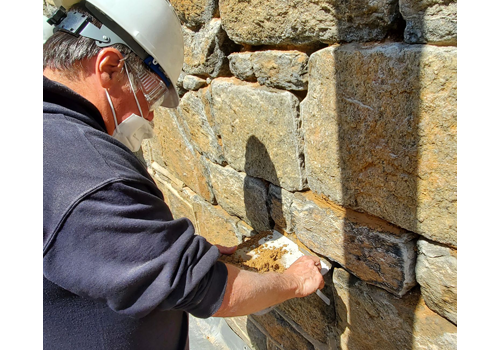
132,87
113,111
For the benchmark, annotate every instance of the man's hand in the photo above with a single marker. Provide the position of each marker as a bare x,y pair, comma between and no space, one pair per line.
226,250
306,272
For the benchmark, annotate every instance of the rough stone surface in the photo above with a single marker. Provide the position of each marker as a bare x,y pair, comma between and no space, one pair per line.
203,50
247,331
191,82
391,323
431,21
375,251
241,195
261,132
437,275
194,13
278,69
177,154
280,205
299,22
196,118
380,127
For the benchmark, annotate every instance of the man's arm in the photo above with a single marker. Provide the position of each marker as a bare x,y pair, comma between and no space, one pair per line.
249,292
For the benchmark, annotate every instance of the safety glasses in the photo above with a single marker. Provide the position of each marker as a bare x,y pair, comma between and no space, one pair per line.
152,87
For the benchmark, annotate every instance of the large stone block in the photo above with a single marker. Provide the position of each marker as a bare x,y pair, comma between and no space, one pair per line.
299,22
203,50
194,13
433,22
197,120
278,69
437,275
380,127
375,251
261,132
241,195
368,318
174,152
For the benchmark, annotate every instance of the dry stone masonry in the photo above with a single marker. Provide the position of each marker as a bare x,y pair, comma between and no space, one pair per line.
336,123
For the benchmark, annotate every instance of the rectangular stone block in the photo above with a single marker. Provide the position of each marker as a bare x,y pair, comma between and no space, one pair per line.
194,13
241,195
437,275
261,132
274,68
176,153
369,318
246,330
375,251
380,126
297,22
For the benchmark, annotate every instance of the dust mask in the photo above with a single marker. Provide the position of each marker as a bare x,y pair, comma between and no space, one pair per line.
135,128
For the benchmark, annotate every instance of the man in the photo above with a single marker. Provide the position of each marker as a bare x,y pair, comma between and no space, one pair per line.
119,272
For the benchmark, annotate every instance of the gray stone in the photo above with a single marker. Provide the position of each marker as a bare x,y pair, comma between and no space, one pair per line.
241,195
298,22
280,207
375,251
391,323
437,275
279,69
203,53
261,132
433,22
380,127
191,82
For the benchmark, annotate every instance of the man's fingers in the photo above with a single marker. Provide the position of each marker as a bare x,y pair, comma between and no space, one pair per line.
226,250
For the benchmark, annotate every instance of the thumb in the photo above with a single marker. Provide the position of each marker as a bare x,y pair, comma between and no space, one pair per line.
226,250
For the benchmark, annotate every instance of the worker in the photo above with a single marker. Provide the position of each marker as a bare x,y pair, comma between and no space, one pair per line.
118,271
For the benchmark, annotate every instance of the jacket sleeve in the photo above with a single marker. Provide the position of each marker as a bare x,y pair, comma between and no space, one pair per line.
121,246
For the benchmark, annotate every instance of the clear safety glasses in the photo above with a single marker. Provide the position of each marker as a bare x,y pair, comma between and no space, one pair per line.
152,87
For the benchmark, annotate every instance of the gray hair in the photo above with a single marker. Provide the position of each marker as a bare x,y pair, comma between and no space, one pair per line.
65,52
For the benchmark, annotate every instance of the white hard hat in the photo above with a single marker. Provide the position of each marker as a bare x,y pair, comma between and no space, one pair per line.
152,24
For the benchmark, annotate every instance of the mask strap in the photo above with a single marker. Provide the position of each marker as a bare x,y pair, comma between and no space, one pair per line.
132,87
113,111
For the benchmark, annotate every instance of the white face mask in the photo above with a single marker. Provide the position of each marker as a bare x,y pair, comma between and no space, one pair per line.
134,128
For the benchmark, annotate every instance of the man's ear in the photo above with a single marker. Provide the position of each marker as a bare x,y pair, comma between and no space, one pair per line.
108,66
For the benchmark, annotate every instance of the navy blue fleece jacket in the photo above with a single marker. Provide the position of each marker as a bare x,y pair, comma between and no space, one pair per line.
119,272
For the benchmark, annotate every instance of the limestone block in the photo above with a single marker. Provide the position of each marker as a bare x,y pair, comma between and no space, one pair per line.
280,331
241,195
375,251
247,331
196,119
278,69
433,22
261,132
437,275
191,82
194,13
297,22
203,54
391,323
380,127
280,204
215,224
178,155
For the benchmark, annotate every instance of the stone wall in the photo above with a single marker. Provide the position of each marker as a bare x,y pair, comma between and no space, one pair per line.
334,121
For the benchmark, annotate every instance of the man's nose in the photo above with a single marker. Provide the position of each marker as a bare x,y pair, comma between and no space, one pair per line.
150,116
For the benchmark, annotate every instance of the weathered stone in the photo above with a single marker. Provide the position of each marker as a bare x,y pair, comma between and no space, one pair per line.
241,195
261,132
203,54
375,251
300,22
391,323
191,82
196,118
277,328
177,154
194,13
247,331
433,22
380,133
437,275
280,203
215,224
278,69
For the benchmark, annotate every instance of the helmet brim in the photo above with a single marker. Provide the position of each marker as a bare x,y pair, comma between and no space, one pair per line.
171,99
